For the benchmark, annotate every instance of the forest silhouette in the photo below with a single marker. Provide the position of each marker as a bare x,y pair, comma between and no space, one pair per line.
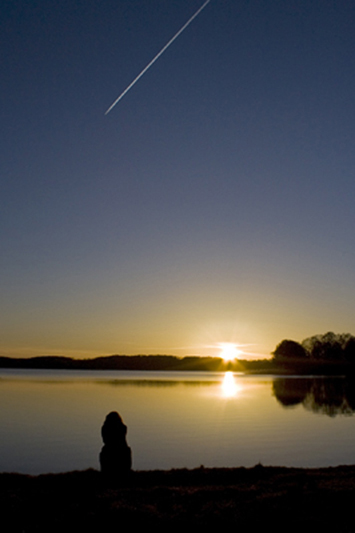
328,353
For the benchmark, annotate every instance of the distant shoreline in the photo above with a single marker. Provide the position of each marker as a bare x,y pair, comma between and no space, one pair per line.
135,362
284,499
189,363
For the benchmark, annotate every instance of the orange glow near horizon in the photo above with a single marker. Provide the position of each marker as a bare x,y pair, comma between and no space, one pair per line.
229,351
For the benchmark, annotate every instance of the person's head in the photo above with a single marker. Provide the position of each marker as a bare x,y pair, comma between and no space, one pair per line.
113,418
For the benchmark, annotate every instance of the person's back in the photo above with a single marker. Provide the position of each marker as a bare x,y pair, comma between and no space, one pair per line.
115,456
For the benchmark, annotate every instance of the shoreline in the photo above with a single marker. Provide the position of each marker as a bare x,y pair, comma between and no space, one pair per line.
171,363
282,498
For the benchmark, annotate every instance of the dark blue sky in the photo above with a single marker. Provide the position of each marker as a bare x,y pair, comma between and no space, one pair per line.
214,203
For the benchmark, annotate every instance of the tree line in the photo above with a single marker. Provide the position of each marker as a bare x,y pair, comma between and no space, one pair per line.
330,347
117,362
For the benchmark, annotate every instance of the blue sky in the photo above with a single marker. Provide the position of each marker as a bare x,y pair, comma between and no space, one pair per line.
213,204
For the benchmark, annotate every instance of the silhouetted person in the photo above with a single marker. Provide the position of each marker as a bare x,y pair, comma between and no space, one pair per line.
115,456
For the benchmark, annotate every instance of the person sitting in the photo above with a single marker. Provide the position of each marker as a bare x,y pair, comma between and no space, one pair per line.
116,455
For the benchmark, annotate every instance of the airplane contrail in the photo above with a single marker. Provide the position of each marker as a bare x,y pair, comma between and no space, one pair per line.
157,56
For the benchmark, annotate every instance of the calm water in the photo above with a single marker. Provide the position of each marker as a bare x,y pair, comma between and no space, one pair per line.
50,421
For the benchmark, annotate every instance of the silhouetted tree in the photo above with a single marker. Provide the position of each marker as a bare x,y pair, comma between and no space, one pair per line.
328,347
349,350
288,349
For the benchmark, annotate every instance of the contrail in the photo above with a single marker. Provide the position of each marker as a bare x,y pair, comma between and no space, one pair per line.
157,56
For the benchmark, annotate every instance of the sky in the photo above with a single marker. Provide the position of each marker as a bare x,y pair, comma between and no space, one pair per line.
214,203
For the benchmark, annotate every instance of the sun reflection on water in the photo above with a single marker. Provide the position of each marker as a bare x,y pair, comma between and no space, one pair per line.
229,386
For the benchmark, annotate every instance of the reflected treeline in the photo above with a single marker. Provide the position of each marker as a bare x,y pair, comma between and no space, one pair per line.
162,383
329,396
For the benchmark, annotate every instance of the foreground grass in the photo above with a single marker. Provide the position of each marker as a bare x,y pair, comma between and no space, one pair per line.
284,499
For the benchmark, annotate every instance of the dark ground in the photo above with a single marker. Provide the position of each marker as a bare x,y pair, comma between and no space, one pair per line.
275,498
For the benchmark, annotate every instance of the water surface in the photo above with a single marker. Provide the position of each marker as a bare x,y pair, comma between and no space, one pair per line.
50,420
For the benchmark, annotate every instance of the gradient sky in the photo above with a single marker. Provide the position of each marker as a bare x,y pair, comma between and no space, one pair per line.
214,203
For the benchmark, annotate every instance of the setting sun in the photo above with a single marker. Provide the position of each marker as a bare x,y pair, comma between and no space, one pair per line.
229,351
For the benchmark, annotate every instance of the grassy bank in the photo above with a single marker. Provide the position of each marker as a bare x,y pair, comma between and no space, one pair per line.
284,499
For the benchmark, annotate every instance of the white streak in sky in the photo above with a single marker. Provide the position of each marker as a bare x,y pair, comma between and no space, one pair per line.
157,56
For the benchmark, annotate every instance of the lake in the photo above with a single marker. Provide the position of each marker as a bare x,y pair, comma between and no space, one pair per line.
51,420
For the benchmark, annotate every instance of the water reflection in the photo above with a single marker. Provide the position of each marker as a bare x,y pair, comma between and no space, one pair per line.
154,383
50,421
229,386
329,396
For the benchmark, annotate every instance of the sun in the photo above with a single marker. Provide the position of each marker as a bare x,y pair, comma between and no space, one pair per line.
229,351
